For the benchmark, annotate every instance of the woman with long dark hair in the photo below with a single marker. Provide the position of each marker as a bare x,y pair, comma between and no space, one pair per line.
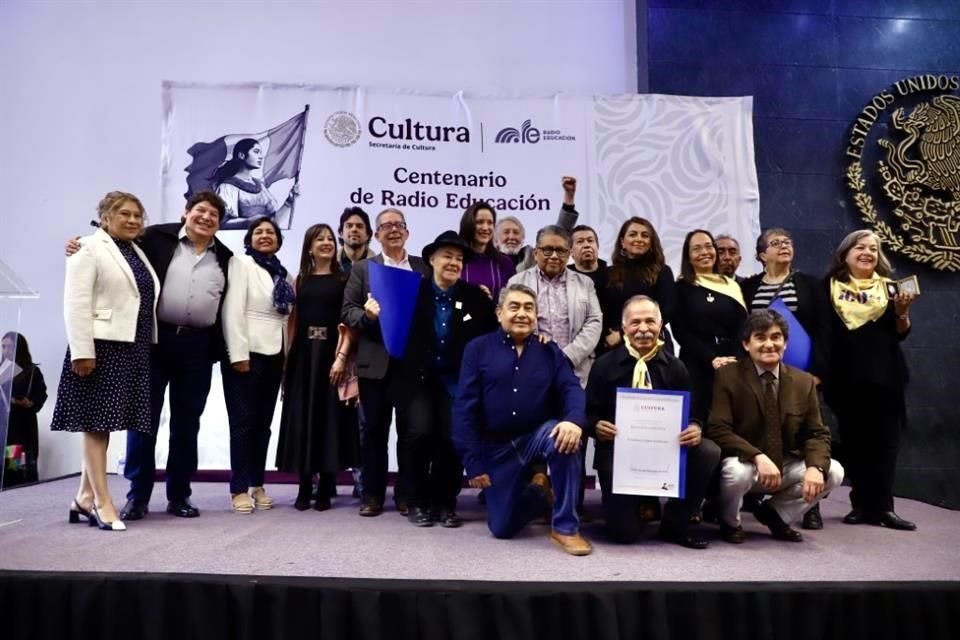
637,267
255,311
868,375
240,183
488,268
28,393
710,313
318,432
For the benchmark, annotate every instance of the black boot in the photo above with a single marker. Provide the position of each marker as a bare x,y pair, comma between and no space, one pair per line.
302,503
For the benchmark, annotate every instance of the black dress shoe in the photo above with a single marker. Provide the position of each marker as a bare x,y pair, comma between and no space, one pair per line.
856,516
301,503
322,503
733,535
446,518
133,511
401,505
371,508
891,520
419,517
182,508
780,530
684,538
812,519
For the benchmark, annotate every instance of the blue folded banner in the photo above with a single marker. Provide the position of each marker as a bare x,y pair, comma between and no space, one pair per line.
396,291
799,346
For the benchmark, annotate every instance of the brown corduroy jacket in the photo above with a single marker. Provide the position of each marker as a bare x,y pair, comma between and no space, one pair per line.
737,424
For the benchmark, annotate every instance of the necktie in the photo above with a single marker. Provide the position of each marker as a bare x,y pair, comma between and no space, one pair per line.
771,414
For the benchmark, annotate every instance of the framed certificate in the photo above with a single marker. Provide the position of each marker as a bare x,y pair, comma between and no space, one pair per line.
910,285
647,457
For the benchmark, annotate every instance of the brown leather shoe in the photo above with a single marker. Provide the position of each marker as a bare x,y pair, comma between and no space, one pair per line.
733,535
371,508
542,481
575,545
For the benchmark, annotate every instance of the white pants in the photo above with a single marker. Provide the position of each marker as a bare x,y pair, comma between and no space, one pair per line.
737,479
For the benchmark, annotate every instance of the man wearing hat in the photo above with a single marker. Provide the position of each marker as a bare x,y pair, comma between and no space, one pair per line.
449,313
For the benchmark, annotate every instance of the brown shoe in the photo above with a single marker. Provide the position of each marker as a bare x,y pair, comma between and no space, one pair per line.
542,481
733,535
575,545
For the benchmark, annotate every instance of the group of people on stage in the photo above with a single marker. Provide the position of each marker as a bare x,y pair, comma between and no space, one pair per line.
512,363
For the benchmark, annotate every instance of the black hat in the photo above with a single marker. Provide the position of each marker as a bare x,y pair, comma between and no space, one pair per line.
448,239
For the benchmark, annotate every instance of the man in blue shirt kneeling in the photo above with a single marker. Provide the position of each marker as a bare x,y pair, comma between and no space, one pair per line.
519,401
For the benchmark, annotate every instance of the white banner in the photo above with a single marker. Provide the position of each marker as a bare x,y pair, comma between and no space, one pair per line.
681,162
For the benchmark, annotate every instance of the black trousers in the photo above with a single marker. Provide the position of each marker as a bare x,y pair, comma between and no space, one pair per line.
378,399
432,473
621,512
181,361
870,429
251,400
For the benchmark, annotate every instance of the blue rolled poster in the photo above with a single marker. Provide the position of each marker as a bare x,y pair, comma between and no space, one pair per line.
396,292
799,346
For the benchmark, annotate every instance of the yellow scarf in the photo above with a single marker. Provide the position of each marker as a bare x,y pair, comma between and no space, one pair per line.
641,376
859,301
722,285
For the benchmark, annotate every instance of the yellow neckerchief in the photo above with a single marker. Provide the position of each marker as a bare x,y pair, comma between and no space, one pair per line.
641,377
722,285
859,301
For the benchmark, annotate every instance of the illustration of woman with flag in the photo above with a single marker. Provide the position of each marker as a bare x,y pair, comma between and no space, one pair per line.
241,168
245,194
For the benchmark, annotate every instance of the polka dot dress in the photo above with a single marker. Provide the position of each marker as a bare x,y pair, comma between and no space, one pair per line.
116,396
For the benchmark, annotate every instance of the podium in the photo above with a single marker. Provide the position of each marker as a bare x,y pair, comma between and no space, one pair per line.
13,291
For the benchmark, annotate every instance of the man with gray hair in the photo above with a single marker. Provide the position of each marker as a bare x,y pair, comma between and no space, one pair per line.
641,362
568,311
509,233
517,402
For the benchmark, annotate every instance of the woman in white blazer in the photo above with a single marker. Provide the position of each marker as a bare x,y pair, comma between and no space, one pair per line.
110,299
255,312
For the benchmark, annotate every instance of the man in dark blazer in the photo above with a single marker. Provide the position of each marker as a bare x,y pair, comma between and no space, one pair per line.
449,313
766,419
642,323
379,374
191,264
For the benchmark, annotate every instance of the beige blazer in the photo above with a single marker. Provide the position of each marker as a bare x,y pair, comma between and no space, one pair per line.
583,311
100,296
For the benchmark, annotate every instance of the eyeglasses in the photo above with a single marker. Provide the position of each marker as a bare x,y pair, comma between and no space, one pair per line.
549,251
392,226
782,242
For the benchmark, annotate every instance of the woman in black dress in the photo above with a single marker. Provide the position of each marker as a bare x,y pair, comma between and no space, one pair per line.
318,432
105,382
28,393
637,267
710,313
868,375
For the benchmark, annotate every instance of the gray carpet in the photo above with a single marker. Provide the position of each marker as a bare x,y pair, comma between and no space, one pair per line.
34,535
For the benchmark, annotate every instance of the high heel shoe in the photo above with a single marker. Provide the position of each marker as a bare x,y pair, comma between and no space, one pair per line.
76,511
116,525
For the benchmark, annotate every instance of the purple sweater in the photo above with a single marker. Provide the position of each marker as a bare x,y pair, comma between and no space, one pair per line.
489,271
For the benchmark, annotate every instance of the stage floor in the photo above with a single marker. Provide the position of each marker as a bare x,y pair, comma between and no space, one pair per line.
35,535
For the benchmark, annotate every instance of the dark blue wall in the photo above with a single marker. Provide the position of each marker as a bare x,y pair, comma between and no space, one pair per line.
812,66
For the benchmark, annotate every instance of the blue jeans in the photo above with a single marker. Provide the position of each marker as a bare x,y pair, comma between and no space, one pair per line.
511,501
